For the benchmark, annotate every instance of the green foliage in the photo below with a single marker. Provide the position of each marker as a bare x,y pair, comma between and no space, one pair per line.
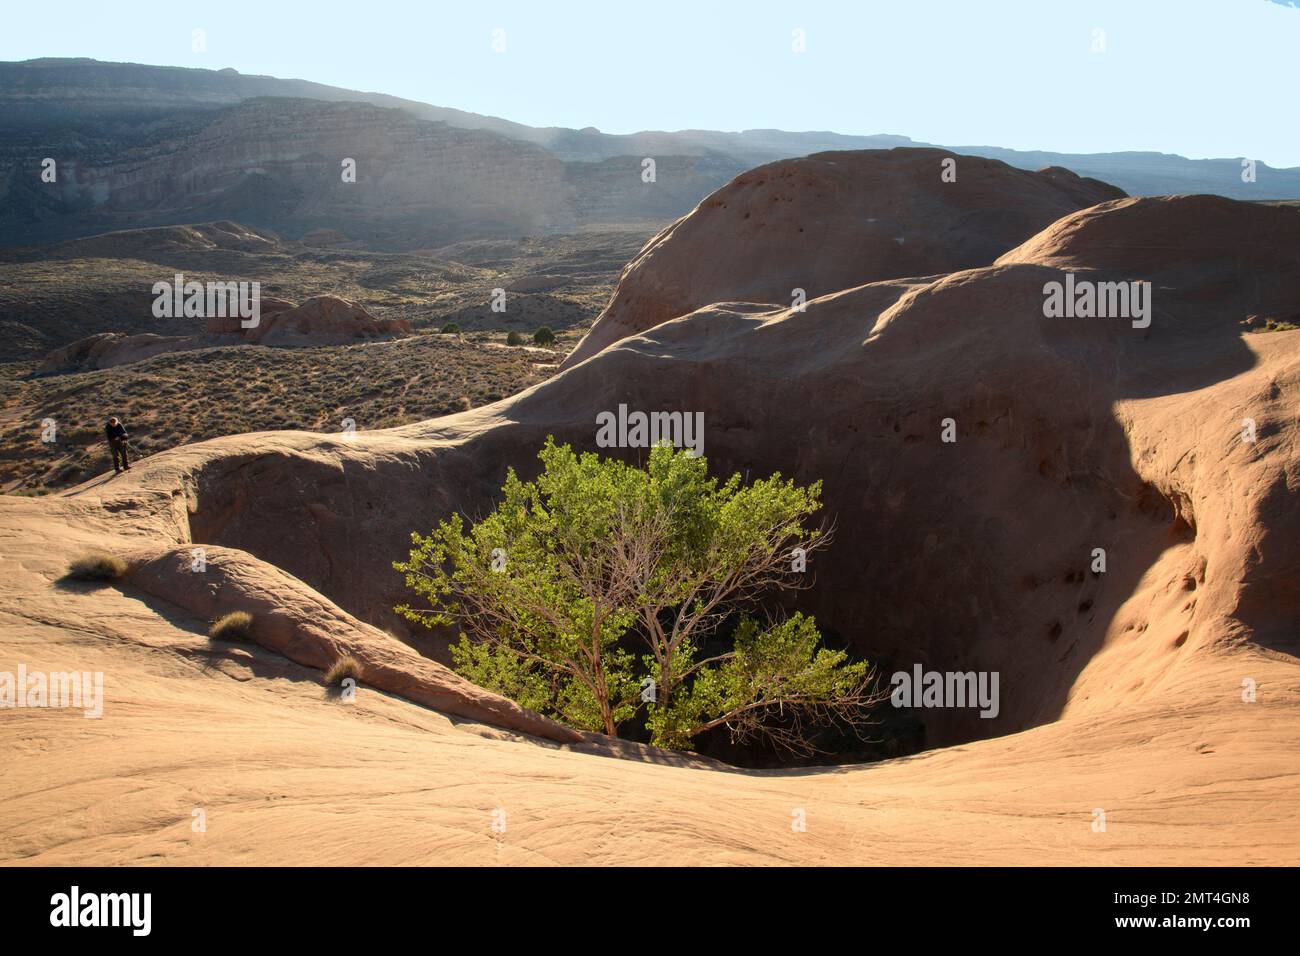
544,337
1277,325
451,328
556,588
514,338
771,669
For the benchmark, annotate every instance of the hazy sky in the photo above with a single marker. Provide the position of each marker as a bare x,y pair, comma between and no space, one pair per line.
1197,77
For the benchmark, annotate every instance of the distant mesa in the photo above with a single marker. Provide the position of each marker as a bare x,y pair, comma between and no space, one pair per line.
146,145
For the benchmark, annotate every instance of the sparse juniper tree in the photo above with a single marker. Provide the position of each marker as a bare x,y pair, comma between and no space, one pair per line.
600,580
544,336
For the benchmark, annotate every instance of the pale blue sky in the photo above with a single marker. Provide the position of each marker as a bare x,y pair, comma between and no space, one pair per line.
1197,77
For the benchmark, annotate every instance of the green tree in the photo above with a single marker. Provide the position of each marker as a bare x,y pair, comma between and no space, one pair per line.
617,598
514,338
544,337
451,328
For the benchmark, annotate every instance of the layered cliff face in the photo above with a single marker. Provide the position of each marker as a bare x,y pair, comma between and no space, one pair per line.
145,146
296,166
47,93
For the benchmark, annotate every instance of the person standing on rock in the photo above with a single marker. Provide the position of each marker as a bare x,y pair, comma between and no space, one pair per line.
117,437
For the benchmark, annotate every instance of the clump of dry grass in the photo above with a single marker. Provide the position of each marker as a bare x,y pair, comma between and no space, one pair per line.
346,666
235,626
96,566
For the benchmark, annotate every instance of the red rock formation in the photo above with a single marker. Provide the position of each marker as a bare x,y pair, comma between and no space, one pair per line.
832,221
268,307
323,320
107,349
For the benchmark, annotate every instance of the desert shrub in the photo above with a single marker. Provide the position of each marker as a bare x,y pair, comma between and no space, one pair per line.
514,338
1277,325
451,328
346,666
600,579
544,336
235,626
96,566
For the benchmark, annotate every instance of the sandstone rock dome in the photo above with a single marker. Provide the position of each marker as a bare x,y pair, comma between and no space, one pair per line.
835,220
323,320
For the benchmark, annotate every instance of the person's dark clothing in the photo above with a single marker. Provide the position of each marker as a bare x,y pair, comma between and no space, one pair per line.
117,436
